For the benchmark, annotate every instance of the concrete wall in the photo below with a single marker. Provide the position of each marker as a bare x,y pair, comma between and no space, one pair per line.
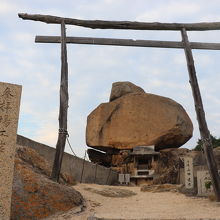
92,173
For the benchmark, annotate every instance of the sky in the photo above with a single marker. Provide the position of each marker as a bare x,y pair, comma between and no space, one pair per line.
93,69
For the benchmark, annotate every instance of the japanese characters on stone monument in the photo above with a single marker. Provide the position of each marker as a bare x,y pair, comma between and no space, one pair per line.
9,112
189,179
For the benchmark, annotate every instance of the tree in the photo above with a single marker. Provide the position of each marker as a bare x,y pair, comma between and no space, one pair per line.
215,143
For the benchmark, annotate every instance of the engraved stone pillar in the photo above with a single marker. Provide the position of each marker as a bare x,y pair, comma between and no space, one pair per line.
189,178
9,111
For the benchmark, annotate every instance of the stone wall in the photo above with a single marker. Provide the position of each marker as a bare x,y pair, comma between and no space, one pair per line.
72,165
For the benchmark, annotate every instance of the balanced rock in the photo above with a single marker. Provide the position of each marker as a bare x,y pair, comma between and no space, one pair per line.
138,119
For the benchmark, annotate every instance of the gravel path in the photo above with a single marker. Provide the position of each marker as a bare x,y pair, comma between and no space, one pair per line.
161,205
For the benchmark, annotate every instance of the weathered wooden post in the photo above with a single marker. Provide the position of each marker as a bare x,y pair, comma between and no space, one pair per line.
63,108
203,128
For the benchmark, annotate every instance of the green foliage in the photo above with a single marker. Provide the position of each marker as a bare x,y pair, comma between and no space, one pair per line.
215,143
208,184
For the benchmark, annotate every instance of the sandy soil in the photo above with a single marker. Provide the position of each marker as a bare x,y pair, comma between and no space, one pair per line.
142,205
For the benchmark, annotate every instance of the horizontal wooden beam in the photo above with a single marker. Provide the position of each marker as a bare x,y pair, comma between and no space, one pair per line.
132,25
126,42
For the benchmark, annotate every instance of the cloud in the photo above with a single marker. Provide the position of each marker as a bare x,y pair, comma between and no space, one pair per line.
47,134
2,47
92,69
23,37
169,12
8,7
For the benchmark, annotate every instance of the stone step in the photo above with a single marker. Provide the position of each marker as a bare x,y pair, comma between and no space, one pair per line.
141,176
143,170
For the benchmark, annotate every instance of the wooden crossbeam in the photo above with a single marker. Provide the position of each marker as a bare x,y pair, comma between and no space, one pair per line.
127,42
132,25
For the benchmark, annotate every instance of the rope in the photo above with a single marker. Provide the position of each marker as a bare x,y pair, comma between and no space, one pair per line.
64,131
67,138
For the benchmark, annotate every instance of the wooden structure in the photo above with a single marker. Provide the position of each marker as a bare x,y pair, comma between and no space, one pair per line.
185,44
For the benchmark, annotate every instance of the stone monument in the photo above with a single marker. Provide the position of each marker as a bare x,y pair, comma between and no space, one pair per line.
189,178
204,185
203,178
9,112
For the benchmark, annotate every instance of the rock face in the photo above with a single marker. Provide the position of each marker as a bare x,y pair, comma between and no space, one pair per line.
167,167
137,118
217,155
169,163
99,157
122,88
34,195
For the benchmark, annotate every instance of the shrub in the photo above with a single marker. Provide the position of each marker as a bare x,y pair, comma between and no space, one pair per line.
215,143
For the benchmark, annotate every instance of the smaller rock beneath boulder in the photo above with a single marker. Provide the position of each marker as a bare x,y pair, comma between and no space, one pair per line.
122,88
100,158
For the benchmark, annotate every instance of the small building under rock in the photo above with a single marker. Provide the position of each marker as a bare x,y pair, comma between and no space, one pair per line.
140,162
144,159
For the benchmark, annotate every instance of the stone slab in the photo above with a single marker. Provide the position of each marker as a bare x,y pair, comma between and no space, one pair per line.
121,178
127,178
203,178
9,113
124,178
189,178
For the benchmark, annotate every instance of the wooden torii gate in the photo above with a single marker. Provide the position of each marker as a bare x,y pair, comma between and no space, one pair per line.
185,44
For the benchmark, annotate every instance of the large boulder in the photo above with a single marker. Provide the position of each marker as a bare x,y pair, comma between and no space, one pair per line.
34,195
138,119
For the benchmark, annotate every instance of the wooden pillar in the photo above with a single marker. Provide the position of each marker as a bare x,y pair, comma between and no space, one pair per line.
63,108
203,128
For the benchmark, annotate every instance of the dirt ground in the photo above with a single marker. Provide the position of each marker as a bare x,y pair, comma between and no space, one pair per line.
115,202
